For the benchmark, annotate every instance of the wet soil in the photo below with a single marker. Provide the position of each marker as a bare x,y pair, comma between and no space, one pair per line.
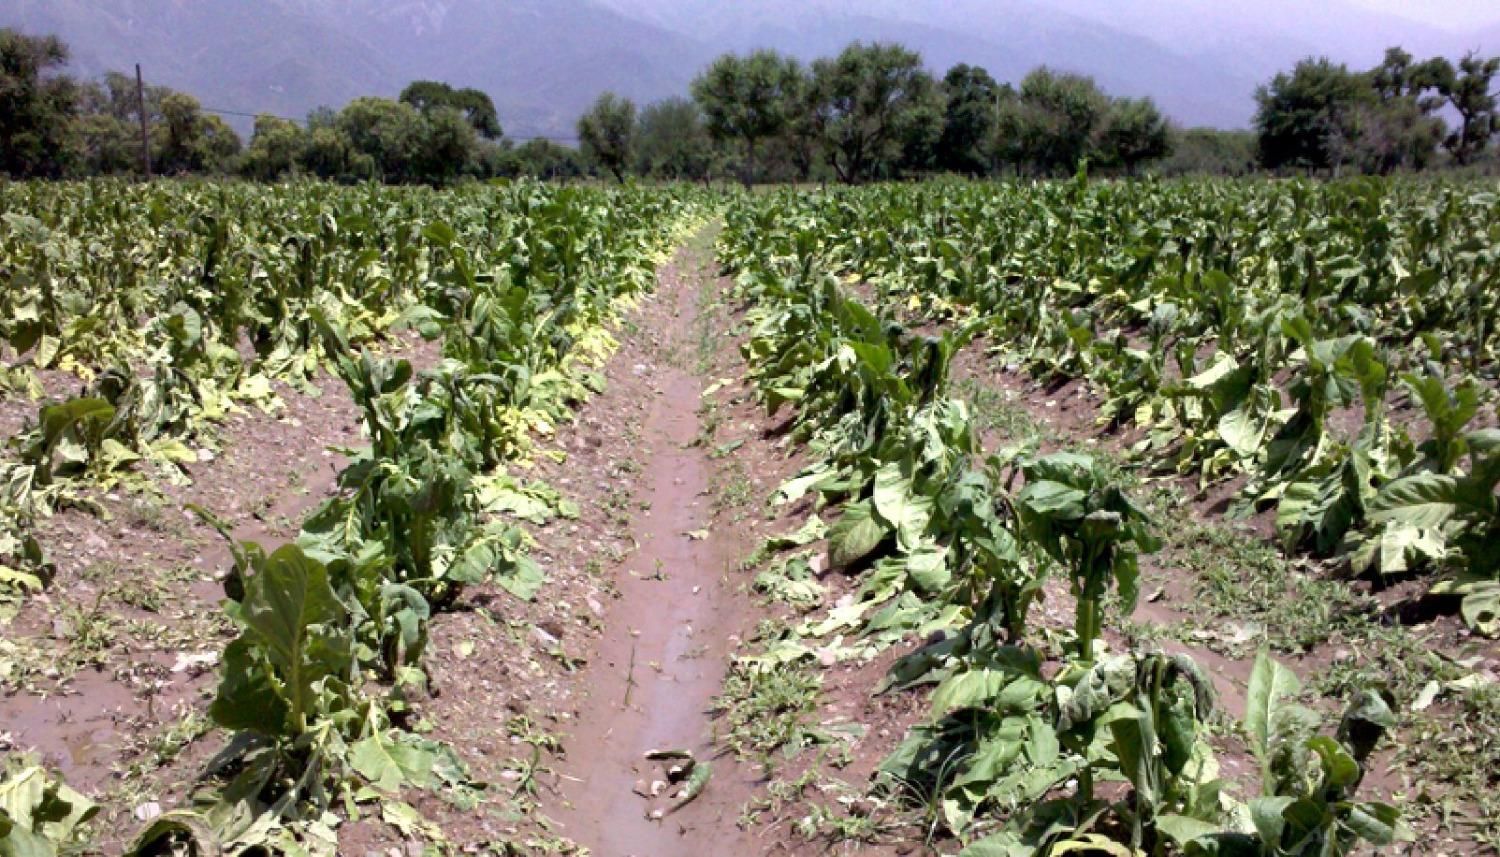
115,662
661,660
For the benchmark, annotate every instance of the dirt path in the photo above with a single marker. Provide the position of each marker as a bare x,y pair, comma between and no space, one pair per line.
668,635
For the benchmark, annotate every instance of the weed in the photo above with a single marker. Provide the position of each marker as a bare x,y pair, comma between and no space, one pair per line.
771,709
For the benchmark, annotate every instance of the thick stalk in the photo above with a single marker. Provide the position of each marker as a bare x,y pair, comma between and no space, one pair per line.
1086,625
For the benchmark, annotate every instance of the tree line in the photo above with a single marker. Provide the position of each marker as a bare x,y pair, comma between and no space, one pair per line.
53,126
1321,115
872,112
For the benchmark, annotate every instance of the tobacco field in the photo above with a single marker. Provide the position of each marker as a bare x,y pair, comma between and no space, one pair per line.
979,518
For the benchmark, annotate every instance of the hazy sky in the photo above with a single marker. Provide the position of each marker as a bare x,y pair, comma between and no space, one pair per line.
1449,14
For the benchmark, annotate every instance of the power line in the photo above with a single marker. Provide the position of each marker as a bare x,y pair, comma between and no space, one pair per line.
555,138
225,111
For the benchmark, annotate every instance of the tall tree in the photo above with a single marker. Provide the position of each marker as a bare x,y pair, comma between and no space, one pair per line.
607,132
476,106
448,147
970,119
276,147
37,106
109,133
1134,132
1060,115
384,138
1397,127
875,106
749,99
672,142
1014,139
187,140
800,139
1307,118
1469,90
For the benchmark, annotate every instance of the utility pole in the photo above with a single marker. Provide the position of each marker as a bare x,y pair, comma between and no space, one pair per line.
140,103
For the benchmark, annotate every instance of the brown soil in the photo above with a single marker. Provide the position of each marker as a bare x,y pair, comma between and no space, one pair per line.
661,660
121,649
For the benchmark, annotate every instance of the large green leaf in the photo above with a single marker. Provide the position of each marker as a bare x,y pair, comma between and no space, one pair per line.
855,535
390,763
297,620
1421,500
1272,686
898,505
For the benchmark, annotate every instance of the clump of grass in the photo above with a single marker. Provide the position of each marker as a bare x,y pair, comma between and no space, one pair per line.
770,710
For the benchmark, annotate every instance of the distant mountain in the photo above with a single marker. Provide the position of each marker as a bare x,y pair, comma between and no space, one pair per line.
543,61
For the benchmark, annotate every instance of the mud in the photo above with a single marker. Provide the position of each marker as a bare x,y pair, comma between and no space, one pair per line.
669,634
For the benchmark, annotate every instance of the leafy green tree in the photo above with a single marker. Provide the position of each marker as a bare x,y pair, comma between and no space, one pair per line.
1134,132
1468,90
799,140
1015,130
276,147
108,129
329,154
672,141
1058,118
607,132
448,148
970,120
544,159
876,108
749,100
37,106
1398,129
1307,118
476,106
384,138
188,140
1210,151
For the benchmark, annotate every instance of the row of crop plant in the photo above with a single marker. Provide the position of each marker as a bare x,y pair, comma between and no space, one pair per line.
520,283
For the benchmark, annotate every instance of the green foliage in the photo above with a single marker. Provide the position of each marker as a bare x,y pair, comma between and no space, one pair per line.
1303,117
39,815
1323,116
1283,370
749,99
1070,509
477,108
1014,751
875,108
1134,132
188,141
519,281
672,142
970,115
36,106
607,133
1468,90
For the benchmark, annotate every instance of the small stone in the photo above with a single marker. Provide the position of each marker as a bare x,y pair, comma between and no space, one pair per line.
540,634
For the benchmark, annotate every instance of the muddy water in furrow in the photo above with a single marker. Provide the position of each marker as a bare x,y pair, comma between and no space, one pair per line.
666,643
